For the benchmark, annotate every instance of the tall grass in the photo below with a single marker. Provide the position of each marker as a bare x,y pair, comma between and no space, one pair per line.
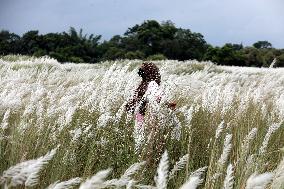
228,121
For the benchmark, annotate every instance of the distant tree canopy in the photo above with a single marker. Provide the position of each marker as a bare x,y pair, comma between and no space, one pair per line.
71,46
150,40
262,45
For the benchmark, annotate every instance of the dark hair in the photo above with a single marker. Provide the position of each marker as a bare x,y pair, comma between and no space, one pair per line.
150,72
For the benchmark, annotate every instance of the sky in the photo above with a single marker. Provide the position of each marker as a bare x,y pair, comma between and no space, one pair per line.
219,21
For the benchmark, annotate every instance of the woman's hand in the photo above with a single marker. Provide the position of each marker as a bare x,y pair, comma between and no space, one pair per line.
172,105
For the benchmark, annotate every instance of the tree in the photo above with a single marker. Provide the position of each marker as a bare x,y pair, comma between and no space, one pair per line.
31,42
268,56
135,55
9,43
253,57
113,53
71,46
149,40
229,54
262,45
185,45
149,36
280,61
212,54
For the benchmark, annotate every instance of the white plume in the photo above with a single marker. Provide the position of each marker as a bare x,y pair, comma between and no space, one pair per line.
65,184
192,183
258,181
132,170
162,171
270,131
278,179
219,129
226,150
95,181
27,172
229,179
194,179
178,166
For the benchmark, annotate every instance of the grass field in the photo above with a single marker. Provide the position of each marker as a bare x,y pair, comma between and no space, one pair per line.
66,122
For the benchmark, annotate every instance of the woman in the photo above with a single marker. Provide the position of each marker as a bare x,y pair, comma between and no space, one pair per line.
149,72
151,80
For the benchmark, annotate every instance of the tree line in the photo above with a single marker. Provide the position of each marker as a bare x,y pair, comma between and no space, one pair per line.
150,40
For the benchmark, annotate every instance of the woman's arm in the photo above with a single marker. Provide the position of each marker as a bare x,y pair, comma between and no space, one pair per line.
171,105
129,107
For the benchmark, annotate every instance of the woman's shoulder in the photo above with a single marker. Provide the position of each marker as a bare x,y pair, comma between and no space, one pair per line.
153,84
153,89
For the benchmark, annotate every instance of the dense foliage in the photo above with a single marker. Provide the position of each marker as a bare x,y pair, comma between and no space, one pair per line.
227,131
149,40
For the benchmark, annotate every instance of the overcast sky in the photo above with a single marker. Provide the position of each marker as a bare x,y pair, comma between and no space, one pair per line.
220,21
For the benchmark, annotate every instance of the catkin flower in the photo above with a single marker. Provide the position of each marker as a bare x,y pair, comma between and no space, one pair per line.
226,150
270,131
